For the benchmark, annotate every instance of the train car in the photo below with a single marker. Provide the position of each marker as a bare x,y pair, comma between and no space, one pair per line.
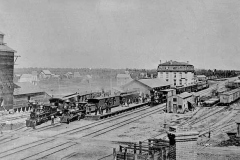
229,97
77,97
70,115
211,102
41,115
102,103
131,97
58,103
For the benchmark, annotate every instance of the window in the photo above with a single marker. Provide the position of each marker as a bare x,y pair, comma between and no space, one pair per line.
174,82
167,80
174,75
179,106
180,81
167,74
174,99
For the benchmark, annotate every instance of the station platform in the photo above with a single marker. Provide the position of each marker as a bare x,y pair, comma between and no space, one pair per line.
114,111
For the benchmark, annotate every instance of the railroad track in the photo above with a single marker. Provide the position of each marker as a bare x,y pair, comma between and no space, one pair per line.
52,150
13,118
118,125
79,129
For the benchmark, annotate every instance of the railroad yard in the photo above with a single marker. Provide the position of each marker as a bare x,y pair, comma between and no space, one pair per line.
89,139
119,80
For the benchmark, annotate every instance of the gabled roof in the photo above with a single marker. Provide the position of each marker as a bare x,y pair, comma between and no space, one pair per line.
26,88
174,63
185,95
5,48
26,76
153,83
46,72
123,76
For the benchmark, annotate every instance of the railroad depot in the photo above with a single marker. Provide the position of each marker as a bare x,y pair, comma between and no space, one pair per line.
176,116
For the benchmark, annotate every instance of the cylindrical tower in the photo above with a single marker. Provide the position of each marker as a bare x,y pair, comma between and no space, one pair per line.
6,75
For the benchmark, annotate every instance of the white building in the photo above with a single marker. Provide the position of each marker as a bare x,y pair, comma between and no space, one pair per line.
176,73
123,79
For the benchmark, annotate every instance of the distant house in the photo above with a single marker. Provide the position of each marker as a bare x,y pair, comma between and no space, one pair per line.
76,75
26,78
123,79
68,75
56,76
45,74
201,78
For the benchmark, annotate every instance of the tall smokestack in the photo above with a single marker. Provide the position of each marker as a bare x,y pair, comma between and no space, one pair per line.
160,61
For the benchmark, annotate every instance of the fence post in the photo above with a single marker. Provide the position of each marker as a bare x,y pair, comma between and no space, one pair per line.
120,148
125,153
114,154
135,148
149,146
140,147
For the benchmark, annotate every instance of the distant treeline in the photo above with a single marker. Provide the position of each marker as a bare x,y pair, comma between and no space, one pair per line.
102,73
218,73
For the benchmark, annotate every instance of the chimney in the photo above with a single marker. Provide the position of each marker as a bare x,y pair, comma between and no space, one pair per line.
170,61
160,61
187,61
1,38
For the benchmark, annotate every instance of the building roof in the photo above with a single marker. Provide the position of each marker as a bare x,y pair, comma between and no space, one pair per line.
26,88
231,91
123,76
5,48
175,63
1,33
153,83
46,72
201,76
34,73
185,95
118,89
76,74
26,76
236,81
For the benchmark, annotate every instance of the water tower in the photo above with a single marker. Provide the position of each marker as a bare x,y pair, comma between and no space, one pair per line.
6,75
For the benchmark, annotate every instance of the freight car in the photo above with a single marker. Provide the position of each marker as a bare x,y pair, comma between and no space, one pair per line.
192,88
226,98
211,102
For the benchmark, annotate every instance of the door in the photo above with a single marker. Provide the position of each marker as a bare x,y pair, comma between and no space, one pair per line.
169,107
174,108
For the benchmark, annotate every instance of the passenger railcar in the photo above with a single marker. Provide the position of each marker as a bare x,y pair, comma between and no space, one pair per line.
102,103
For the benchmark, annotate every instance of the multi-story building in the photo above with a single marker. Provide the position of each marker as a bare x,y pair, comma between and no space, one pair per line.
176,73
6,75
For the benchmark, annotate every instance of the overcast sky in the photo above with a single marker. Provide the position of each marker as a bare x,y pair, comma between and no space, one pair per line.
122,33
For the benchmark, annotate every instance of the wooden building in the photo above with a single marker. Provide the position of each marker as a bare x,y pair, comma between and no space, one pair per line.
6,75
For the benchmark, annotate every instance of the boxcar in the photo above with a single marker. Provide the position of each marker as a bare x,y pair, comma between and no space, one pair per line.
228,97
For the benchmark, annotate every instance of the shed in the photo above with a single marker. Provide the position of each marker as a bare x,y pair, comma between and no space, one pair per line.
146,85
26,78
123,79
28,91
180,103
